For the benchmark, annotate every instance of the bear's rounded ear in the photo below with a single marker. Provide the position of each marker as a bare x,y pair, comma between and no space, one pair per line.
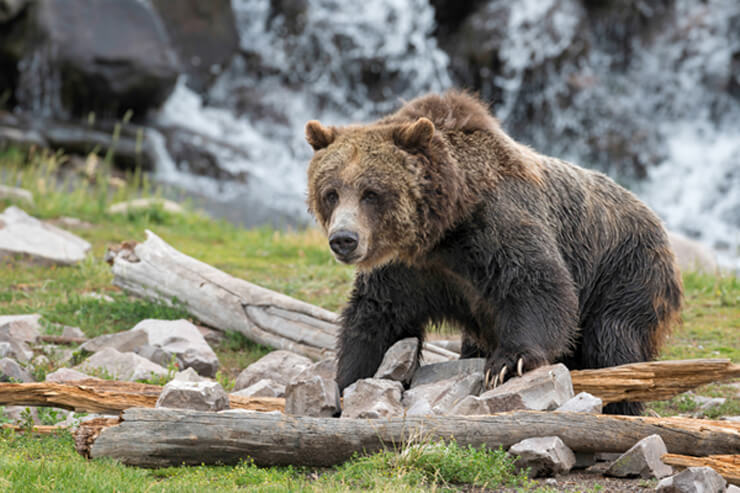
415,135
318,135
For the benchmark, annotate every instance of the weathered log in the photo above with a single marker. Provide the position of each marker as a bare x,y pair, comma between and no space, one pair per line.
167,437
726,465
61,339
155,270
107,396
652,380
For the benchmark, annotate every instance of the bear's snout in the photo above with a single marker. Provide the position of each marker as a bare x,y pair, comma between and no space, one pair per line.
343,242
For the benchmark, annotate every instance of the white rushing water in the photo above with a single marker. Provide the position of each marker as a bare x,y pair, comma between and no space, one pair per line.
352,61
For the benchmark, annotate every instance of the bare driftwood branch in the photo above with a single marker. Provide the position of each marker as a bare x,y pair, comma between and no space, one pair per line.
653,380
155,270
726,465
107,396
167,437
62,339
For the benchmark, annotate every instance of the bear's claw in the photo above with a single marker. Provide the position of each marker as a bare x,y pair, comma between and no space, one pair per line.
500,377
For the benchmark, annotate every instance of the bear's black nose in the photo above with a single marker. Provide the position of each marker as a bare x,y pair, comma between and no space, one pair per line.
343,242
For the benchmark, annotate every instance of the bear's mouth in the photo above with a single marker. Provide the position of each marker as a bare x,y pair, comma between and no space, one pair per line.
347,259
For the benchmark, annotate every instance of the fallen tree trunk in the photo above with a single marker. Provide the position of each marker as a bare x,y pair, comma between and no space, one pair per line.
726,465
155,270
107,396
652,380
168,437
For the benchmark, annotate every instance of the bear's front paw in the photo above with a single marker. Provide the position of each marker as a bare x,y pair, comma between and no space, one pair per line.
502,365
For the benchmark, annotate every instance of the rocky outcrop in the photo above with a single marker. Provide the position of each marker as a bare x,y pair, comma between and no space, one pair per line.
203,34
74,57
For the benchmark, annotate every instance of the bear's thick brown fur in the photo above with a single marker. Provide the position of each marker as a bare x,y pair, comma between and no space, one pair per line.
449,219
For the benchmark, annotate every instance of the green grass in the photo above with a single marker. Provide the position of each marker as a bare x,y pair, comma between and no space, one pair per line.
295,262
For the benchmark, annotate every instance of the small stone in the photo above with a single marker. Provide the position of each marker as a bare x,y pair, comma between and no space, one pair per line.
123,342
17,194
693,480
32,318
6,350
263,388
544,456
44,243
60,355
373,398
184,340
20,330
189,375
400,361
708,402
201,396
145,203
11,371
732,489
542,389
98,296
448,369
326,368
121,366
582,403
315,396
441,397
65,375
280,366
73,332
471,406
156,355
643,460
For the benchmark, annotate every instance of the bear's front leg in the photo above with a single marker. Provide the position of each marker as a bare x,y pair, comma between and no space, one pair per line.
387,304
535,309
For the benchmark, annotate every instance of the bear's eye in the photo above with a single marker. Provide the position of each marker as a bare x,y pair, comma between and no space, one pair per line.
369,196
331,197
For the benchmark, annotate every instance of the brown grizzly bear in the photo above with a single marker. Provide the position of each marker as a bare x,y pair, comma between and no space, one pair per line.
449,219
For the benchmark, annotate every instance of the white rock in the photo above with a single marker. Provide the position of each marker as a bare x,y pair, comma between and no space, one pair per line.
20,330
32,318
643,459
23,234
189,375
441,397
315,396
545,456
542,389
201,396
11,371
326,368
280,366
64,375
448,369
400,361
18,350
121,366
6,350
17,194
145,203
184,340
583,403
127,341
73,332
264,388
373,398
693,480
691,255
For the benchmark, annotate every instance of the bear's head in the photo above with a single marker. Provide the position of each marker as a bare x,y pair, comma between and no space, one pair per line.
382,192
